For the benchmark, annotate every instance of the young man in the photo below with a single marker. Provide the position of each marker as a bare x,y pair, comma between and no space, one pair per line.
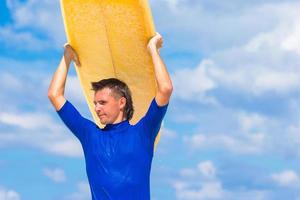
119,156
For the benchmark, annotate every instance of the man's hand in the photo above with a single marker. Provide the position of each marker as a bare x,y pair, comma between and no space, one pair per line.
155,43
70,54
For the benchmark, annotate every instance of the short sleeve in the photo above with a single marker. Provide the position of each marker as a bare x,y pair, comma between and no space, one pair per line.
152,120
74,121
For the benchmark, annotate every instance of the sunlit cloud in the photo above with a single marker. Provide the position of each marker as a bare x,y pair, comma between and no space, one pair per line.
55,174
287,178
9,194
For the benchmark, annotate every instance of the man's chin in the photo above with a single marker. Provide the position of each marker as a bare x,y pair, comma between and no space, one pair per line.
103,122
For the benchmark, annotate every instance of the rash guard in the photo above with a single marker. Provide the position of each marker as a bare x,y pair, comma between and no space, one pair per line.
118,157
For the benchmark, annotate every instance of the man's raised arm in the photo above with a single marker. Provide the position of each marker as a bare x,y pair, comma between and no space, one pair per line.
163,79
57,86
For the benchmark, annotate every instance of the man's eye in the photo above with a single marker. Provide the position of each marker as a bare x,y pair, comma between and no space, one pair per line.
100,102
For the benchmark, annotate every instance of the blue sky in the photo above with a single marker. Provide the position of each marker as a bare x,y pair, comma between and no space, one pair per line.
232,131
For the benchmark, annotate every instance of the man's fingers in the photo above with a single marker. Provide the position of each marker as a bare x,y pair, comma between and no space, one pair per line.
67,45
156,42
72,53
77,61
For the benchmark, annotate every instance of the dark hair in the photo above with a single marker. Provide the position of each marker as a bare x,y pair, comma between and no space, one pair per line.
120,89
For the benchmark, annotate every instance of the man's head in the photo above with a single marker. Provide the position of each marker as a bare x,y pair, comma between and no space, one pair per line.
112,100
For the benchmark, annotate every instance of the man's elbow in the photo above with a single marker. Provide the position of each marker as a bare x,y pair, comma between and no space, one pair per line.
57,99
166,89
52,95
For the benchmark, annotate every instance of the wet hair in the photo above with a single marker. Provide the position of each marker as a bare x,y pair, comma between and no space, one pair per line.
119,89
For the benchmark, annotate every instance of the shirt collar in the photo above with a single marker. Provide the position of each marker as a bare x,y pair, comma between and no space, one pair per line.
117,126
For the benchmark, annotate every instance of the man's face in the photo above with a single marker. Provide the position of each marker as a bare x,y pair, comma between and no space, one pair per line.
108,107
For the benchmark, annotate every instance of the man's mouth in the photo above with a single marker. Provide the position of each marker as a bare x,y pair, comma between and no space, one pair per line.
101,116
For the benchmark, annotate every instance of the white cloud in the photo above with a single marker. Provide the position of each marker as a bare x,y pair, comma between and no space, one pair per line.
82,193
29,121
207,168
276,72
277,81
209,190
8,194
202,183
196,140
250,133
9,81
284,37
23,86
168,134
292,41
166,142
219,25
199,183
20,126
67,147
245,194
255,61
244,144
293,136
191,84
287,178
185,117
264,60
56,174
187,172
62,142
48,134
24,40
174,5
31,19
252,121
252,78
248,137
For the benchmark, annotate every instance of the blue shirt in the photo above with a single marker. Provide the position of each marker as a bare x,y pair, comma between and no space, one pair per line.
118,157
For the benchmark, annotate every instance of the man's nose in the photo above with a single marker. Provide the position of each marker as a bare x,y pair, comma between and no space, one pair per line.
98,107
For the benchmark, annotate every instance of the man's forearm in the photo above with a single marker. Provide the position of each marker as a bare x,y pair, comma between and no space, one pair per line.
164,83
57,86
163,79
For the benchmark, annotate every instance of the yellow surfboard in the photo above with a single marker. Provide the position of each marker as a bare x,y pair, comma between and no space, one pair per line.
110,37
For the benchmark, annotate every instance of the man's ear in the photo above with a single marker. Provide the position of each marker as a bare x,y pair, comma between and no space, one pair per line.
122,102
